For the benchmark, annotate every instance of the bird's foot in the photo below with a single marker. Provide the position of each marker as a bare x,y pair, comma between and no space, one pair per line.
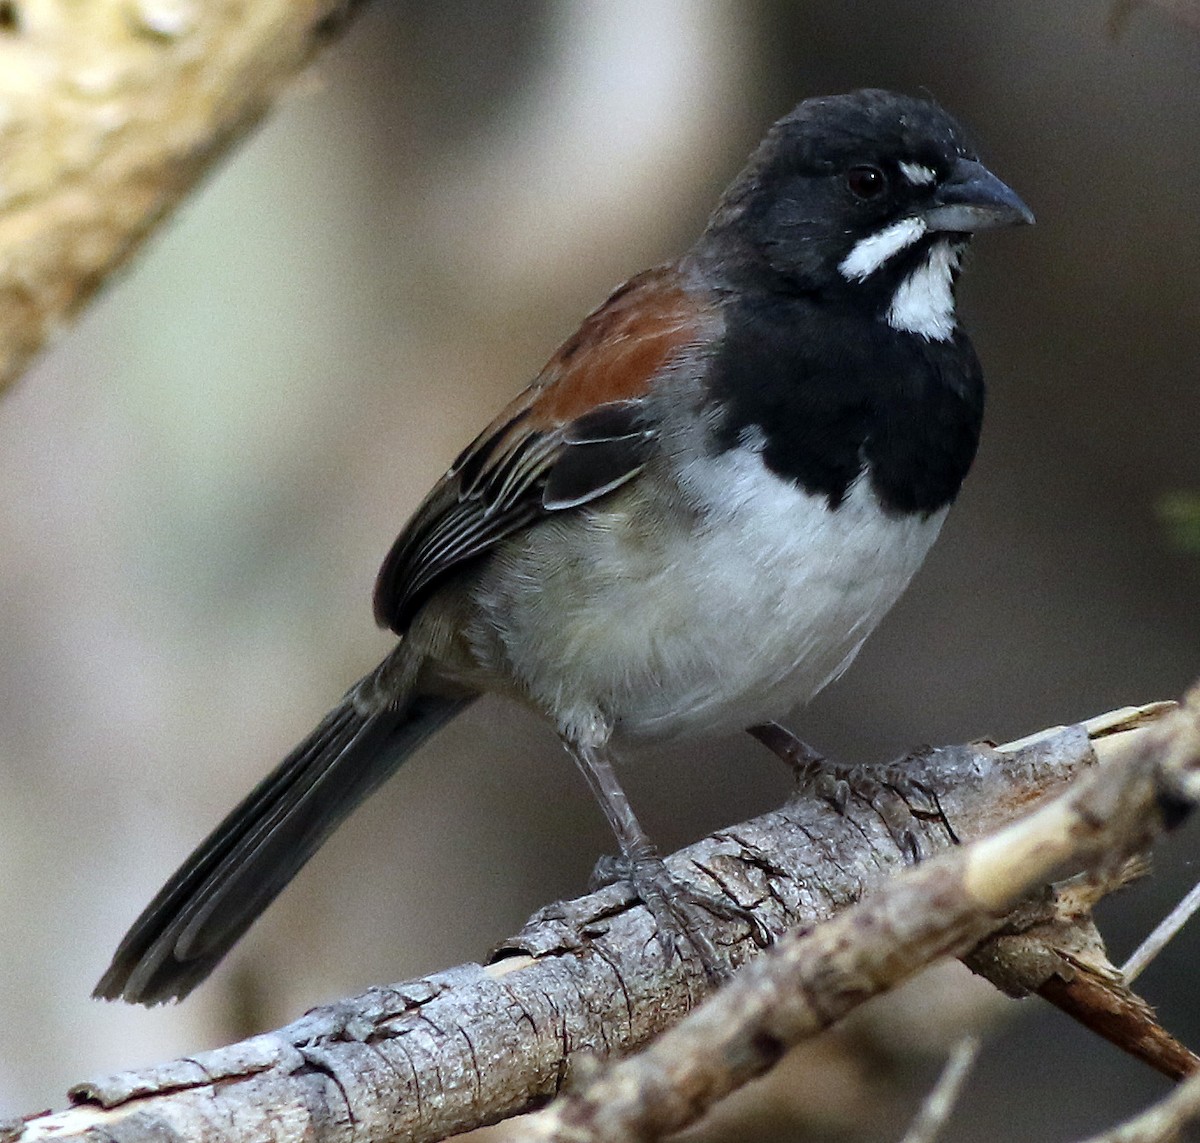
802,759
678,909
890,789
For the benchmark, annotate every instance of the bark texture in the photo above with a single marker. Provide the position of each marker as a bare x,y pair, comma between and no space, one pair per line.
586,979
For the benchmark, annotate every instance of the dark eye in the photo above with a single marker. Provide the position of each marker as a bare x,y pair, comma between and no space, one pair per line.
866,182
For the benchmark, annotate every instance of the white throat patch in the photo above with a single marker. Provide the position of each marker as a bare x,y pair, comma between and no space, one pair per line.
869,253
924,302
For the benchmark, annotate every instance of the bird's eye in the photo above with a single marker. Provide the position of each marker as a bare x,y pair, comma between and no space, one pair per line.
866,182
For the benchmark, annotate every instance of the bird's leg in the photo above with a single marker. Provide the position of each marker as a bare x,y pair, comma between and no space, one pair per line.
674,905
597,769
879,786
814,773
796,754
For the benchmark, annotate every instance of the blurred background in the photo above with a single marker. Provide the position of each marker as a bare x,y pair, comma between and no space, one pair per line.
203,475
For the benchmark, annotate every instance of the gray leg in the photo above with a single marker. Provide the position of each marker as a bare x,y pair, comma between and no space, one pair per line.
596,767
794,752
674,905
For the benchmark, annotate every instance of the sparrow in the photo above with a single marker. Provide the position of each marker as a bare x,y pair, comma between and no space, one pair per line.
688,523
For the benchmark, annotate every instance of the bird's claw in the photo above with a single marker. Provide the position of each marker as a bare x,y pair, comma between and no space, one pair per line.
678,909
879,786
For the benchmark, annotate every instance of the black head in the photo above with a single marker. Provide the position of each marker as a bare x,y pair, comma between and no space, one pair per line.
851,195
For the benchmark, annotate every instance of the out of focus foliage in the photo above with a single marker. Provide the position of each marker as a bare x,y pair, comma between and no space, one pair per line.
1180,513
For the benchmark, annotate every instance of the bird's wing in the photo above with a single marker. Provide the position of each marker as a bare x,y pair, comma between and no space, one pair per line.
579,431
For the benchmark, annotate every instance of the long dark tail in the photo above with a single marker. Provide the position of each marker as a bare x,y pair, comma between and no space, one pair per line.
240,868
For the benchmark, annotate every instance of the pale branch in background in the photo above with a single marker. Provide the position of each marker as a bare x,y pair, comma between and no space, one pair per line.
1163,933
586,979
112,111
938,1105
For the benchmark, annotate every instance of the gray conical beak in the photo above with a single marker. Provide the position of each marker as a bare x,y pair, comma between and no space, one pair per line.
972,198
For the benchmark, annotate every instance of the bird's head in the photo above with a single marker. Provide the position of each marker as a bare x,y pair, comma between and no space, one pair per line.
870,198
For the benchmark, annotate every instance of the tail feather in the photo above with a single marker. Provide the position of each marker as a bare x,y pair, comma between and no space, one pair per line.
239,869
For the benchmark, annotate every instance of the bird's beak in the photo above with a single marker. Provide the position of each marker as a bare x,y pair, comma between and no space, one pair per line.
972,198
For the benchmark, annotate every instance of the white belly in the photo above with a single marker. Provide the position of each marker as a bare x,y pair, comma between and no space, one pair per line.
653,633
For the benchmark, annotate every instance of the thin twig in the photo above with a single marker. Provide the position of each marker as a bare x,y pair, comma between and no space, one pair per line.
1164,931
942,1097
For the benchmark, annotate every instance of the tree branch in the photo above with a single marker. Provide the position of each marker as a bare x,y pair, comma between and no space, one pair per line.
586,979
943,907
112,112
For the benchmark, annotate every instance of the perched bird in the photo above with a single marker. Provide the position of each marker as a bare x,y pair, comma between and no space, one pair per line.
689,522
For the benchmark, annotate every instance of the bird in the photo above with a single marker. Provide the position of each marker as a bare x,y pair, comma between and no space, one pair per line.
687,524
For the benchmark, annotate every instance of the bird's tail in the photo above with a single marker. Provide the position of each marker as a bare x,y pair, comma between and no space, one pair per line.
241,867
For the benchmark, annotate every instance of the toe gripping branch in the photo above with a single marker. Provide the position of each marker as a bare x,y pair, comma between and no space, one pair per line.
891,790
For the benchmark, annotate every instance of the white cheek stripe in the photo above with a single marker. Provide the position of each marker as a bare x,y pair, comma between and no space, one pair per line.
873,251
924,302
918,175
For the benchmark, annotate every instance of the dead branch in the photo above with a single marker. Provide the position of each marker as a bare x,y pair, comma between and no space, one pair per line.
112,112
1054,949
944,906
586,979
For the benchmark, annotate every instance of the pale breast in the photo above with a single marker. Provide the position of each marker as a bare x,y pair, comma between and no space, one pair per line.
668,618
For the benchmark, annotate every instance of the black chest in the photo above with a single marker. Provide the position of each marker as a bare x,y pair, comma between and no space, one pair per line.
830,395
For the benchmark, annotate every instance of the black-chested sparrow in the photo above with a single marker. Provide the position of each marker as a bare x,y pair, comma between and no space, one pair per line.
689,522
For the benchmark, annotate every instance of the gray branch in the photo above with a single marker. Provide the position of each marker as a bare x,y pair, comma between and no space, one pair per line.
583,980
944,907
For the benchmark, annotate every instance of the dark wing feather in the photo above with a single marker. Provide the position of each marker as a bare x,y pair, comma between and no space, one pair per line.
577,433
598,453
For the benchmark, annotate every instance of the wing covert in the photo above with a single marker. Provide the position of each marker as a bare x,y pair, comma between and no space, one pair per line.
580,431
